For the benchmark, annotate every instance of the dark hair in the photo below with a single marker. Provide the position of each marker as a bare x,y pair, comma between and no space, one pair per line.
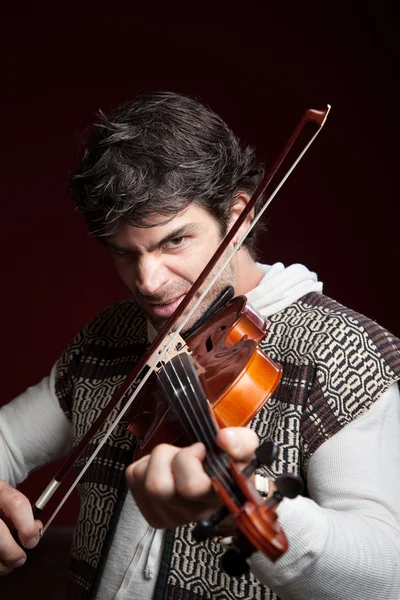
158,154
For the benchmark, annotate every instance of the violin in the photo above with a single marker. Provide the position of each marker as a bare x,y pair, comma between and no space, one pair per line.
218,377
183,390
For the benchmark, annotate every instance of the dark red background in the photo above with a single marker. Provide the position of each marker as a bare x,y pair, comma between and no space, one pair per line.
260,68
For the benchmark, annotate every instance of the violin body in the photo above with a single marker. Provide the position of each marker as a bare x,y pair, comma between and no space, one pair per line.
236,376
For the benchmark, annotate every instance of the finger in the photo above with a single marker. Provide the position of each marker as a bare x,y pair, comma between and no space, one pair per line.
4,569
152,485
239,442
16,507
11,555
191,481
135,473
153,475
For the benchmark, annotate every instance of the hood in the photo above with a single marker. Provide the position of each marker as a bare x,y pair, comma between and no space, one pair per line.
281,286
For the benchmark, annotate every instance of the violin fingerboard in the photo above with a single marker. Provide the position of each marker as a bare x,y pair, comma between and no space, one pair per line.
183,392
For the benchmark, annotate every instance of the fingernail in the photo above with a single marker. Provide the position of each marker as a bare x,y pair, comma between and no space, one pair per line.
233,440
20,562
31,543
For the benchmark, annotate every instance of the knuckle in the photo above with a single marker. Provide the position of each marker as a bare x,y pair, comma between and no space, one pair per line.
155,487
11,555
163,450
13,558
18,500
187,490
193,488
12,498
4,569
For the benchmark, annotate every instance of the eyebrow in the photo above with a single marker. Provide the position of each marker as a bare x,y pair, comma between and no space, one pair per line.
181,231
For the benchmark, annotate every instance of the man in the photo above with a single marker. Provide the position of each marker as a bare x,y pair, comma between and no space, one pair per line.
161,181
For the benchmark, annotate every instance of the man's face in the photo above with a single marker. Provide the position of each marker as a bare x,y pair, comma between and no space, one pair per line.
159,264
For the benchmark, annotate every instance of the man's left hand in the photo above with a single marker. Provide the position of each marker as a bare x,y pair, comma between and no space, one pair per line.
170,485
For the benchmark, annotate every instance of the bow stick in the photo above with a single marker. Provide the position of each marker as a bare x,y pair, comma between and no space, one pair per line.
160,347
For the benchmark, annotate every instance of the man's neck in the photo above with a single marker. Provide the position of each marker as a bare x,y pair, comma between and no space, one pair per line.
248,275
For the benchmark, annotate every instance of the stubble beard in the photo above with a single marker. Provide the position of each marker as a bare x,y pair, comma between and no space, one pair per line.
226,279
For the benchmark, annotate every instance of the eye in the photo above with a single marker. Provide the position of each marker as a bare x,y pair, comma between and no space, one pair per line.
175,242
117,251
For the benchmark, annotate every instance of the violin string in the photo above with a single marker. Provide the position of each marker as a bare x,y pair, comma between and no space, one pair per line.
216,460
208,436
222,474
204,409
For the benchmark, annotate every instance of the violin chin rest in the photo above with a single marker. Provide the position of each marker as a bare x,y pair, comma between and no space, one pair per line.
226,295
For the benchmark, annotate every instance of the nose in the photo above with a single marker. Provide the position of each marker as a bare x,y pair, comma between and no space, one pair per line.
151,275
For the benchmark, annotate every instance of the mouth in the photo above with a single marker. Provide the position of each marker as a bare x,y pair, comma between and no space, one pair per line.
162,310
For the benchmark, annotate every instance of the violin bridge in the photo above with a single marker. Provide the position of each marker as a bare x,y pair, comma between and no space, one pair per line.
178,347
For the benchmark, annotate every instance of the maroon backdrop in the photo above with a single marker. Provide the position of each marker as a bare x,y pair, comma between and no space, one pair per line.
260,68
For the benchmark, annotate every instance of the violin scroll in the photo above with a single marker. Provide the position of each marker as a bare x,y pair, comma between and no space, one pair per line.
256,519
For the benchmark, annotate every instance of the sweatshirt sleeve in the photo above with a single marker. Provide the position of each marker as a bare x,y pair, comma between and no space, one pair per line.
33,431
344,540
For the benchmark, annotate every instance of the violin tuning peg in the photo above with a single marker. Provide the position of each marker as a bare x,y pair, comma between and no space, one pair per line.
266,453
234,563
208,528
288,486
203,530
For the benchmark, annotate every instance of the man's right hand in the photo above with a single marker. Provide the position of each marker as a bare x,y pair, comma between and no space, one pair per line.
16,512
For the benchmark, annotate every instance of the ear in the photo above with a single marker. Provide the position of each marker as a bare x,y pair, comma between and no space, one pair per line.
240,201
